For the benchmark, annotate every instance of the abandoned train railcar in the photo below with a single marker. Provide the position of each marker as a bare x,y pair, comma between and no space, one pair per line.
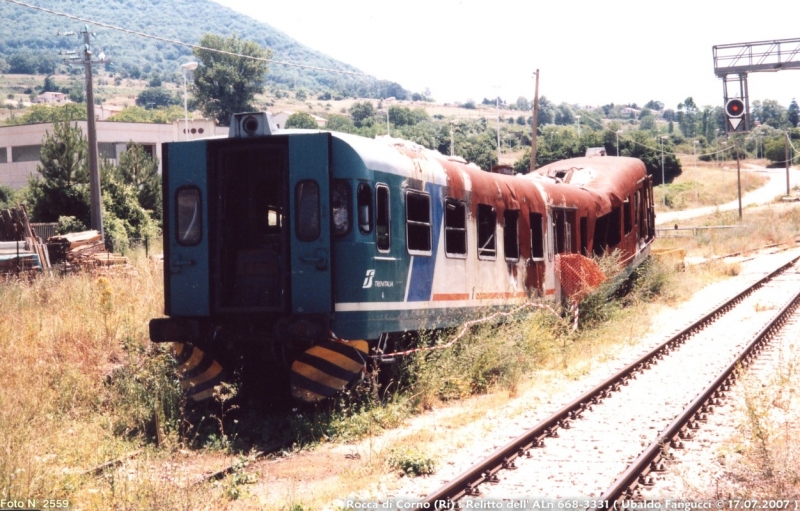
317,248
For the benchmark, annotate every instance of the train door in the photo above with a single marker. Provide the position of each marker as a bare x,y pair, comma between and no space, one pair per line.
251,246
309,203
186,230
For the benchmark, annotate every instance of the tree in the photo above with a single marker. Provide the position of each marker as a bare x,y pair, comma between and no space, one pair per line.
793,114
155,97
140,170
62,189
340,123
362,113
301,120
225,84
654,105
50,84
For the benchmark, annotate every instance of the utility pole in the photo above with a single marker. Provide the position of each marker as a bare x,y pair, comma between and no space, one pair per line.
94,171
498,129
738,174
786,153
535,122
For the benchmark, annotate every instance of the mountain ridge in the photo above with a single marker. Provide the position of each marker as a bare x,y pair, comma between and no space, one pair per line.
29,31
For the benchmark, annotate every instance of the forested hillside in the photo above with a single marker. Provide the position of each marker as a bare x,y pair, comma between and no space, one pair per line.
29,42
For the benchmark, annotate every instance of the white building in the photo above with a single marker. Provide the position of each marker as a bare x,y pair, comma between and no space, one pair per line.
20,146
280,119
53,98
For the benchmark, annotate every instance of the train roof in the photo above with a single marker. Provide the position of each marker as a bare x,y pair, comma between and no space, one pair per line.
611,178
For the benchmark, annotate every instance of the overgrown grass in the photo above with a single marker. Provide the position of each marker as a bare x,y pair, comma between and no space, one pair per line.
763,460
82,385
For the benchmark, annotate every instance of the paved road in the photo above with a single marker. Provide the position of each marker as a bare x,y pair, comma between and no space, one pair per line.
767,193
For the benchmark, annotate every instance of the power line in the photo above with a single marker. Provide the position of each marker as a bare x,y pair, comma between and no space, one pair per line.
181,43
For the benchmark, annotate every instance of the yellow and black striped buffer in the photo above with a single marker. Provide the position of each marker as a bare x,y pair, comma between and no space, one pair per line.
327,368
198,372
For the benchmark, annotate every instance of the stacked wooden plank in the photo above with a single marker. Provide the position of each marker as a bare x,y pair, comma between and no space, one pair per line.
20,249
83,250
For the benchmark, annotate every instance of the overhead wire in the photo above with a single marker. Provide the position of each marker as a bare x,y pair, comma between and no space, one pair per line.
181,43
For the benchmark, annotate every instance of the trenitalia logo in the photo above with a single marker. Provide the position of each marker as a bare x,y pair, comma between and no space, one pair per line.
368,279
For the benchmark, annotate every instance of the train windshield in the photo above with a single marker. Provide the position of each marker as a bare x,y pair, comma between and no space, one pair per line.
252,218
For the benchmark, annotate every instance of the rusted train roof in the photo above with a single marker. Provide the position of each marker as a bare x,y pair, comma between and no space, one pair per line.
608,179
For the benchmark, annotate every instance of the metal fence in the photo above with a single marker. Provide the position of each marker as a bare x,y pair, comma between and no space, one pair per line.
44,230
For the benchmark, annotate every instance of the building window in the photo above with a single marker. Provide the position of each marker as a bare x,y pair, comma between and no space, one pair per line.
3,155
511,234
537,237
487,225
189,216
382,219
306,210
107,150
26,153
418,222
455,228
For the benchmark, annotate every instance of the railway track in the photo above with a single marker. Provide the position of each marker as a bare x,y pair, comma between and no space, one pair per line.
586,462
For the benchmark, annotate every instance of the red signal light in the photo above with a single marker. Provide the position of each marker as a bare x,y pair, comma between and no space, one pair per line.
734,107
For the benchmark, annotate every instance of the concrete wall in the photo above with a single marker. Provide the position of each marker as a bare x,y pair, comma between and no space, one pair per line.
16,174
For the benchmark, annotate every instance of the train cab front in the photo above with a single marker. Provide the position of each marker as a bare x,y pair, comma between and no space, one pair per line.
247,254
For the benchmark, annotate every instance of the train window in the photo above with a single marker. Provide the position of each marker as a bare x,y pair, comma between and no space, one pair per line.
364,205
511,234
487,226
537,237
190,216
382,219
306,210
627,215
340,207
418,222
637,206
584,227
614,227
455,228
599,244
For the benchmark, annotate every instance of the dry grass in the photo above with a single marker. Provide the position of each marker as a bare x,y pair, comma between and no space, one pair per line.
82,385
761,226
707,184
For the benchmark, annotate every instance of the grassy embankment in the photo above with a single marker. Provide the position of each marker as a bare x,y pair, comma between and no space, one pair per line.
82,384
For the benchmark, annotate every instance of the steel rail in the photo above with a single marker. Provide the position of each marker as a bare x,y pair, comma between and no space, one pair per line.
653,457
466,484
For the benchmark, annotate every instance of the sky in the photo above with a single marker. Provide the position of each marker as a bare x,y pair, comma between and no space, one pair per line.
587,52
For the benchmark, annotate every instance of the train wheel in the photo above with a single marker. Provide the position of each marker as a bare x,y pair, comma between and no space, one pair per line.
327,368
198,372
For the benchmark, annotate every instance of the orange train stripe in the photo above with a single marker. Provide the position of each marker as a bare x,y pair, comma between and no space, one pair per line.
484,296
335,358
447,297
192,362
212,372
306,395
312,373
202,395
362,346
177,348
